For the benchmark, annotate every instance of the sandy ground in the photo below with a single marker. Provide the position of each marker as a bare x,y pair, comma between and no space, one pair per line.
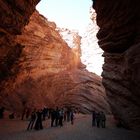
81,130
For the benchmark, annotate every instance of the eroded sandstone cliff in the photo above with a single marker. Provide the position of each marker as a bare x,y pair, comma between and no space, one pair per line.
14,15
119,38
73,39
48,73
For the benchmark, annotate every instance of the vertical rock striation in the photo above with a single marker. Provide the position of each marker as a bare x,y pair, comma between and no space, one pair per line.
14,15
119,37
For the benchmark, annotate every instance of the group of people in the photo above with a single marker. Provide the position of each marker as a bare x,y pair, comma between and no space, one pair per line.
57,117
98,119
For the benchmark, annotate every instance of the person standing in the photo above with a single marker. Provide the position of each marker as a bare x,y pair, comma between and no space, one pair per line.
57,117
53,116
44,112
93,118
103,120
32,120
65,115
72,117
98,119
68,114
38,124
61,114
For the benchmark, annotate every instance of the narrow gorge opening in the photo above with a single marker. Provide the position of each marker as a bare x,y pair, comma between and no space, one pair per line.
38,68
76,22
48,71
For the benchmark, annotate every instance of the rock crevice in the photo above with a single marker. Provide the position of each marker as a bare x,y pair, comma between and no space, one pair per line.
119,38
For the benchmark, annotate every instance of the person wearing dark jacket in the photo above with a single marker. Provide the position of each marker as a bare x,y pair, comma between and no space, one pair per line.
103,120
38,124
53,116
57,117
93,118
32,120
98,119
72,117
61,114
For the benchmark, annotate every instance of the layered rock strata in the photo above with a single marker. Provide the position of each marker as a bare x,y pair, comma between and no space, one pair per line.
73,39
49,74
14,15
119,38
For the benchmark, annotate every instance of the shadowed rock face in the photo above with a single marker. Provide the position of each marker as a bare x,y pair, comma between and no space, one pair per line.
14,15
80,89
49,73
76,88
119,37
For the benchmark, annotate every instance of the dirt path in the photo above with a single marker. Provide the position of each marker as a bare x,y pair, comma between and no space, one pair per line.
81,130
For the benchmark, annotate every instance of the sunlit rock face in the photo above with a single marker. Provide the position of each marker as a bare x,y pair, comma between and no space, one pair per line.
119,38
44,50
91,52
73,39
86,44
14,15
49,75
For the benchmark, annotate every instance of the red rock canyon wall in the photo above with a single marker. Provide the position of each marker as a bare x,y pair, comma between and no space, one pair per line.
119,37
14,15
48,73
